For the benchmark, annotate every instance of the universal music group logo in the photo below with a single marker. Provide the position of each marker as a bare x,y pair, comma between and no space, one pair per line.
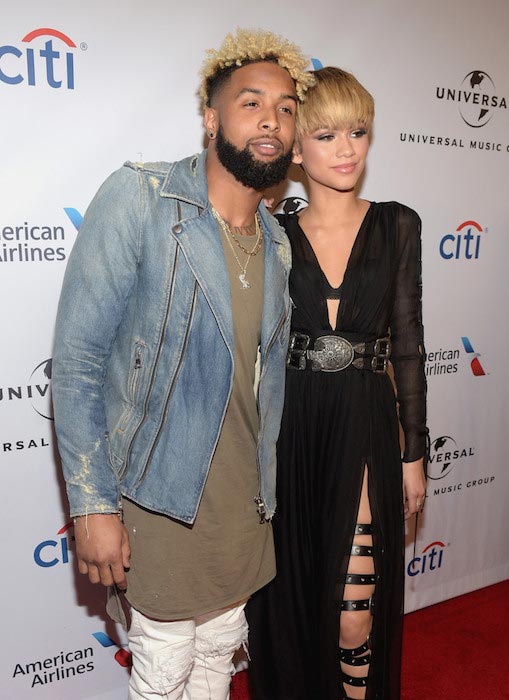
446,457
37,390
476,98
478,101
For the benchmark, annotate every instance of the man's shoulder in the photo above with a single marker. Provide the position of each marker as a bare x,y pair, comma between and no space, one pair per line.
182,179
161,167
155,172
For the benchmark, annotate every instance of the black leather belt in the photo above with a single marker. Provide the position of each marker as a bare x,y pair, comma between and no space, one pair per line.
332,353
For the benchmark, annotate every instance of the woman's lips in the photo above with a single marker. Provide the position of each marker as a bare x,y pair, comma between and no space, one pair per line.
345,168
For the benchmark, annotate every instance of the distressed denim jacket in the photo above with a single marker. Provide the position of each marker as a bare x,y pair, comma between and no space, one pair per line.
143,362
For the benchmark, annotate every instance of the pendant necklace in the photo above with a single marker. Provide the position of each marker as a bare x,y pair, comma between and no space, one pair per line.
225,228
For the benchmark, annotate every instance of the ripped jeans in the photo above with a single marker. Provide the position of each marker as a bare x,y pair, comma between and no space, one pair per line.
188,659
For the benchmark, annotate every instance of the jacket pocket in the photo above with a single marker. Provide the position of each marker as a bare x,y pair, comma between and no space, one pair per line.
133,382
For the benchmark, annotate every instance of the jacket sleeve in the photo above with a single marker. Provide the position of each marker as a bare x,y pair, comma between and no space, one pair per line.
99,279
407,337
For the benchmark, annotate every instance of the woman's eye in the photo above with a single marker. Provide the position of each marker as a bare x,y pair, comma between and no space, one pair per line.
325,137
287,110
357,133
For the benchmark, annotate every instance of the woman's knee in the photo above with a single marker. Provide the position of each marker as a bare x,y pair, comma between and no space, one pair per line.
354,628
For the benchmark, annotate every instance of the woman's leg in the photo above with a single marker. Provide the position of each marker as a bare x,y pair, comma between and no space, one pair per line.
357,605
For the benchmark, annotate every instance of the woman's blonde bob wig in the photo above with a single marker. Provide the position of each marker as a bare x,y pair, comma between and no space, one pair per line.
336,101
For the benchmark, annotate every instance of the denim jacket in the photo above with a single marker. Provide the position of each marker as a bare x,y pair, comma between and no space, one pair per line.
143,362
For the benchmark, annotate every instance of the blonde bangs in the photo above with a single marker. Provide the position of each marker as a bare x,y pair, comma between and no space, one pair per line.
336,101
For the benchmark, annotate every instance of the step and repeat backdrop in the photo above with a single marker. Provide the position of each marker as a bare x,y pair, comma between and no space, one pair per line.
84,88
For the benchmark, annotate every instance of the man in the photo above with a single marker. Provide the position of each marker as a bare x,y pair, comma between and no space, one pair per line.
178,277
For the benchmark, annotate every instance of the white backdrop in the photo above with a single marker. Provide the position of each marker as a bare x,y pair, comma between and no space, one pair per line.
85,87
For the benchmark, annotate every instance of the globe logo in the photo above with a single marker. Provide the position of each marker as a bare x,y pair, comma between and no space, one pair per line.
443,452
479,98
39,390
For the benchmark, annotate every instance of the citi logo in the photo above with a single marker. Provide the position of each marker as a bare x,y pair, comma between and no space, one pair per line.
430,560
52,64
464,244
475,363
49,553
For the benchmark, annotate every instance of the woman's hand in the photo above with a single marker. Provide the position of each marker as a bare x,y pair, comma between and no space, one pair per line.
414,487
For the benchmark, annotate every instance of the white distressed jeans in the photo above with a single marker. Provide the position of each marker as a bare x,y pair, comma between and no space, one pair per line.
188,659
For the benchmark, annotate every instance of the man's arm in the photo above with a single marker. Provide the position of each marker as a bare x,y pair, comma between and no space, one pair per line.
99,278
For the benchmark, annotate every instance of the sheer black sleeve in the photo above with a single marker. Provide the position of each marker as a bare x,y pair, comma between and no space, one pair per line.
407,337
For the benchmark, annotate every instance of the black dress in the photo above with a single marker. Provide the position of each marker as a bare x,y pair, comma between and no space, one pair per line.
334,424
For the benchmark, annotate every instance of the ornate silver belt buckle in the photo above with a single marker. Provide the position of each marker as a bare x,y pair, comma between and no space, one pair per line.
331,354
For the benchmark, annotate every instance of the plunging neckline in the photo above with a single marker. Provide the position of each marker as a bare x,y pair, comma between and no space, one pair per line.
355,244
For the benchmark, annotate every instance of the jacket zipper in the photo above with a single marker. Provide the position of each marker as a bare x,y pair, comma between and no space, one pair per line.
170,391
260,505
137,366
158,353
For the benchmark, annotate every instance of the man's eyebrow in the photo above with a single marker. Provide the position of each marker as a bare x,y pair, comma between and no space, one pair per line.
256,91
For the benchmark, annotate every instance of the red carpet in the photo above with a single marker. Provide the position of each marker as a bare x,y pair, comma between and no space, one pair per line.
456,650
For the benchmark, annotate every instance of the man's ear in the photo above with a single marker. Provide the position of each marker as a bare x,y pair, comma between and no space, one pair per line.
210,121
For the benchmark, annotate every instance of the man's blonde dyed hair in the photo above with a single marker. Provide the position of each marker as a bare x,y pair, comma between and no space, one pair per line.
336,101
250,46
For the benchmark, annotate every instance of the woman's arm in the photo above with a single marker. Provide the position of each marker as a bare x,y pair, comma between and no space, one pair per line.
408,359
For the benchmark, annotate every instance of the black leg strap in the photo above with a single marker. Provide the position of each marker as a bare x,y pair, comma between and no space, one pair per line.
357,682
364,529
358,660
356,605
345,654
361,550
360,579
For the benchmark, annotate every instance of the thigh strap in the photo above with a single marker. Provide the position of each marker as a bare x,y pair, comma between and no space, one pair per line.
358,605
361,550
346,654
360,579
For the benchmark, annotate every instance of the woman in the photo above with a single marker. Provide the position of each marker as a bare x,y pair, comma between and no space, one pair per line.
329,626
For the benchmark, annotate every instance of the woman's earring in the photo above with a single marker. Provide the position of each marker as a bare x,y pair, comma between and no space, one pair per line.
211,134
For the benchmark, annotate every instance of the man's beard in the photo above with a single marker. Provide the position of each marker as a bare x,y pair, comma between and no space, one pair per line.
247,169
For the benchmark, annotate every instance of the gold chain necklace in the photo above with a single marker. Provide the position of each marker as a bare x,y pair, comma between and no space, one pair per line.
258,244
225,228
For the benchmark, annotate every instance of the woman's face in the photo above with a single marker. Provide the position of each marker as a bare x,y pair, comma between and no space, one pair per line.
333,158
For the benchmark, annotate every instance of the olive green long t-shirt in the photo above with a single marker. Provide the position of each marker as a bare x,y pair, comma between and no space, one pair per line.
180,571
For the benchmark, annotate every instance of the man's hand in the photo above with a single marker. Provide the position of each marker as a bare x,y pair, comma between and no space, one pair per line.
102,548
414,487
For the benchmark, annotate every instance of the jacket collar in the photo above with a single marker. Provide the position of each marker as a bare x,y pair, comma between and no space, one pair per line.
187,181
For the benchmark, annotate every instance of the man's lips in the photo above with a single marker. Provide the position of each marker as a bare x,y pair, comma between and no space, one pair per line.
266,146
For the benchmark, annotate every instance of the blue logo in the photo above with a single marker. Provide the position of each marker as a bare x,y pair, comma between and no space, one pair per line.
431,559
465,244
49,553
75,217
51,64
